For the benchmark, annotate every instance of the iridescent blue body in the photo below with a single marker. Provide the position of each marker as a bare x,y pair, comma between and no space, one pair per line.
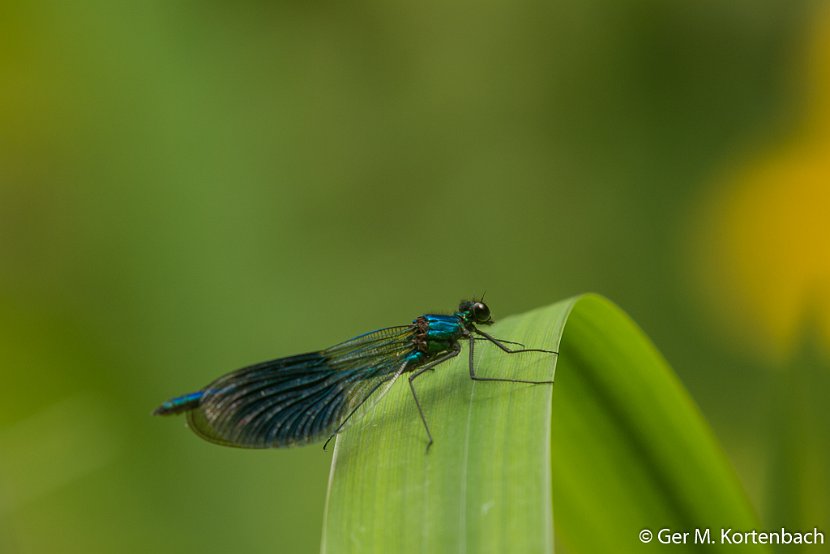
302,399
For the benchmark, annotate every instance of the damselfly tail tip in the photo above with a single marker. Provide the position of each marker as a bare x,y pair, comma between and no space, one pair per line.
180,404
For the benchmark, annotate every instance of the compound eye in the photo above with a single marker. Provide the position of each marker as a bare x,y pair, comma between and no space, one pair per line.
481,312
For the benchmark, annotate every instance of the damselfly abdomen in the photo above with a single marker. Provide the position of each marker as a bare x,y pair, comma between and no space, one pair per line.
309,397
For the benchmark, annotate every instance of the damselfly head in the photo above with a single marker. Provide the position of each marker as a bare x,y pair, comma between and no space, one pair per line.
477,310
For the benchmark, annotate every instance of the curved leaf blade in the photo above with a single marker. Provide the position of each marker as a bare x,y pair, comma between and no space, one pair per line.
629,449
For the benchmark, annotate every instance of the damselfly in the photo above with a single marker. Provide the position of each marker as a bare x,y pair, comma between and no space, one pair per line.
302,399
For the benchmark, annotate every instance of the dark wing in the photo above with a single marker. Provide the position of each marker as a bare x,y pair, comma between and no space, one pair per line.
300,399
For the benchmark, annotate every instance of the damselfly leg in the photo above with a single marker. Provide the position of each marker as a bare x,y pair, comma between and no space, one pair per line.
508,350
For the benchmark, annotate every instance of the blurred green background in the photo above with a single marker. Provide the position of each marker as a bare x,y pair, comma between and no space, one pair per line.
189,187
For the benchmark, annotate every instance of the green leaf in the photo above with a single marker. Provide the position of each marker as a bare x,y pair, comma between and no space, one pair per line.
621,448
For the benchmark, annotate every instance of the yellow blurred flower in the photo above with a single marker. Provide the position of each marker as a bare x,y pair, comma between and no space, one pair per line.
764,240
